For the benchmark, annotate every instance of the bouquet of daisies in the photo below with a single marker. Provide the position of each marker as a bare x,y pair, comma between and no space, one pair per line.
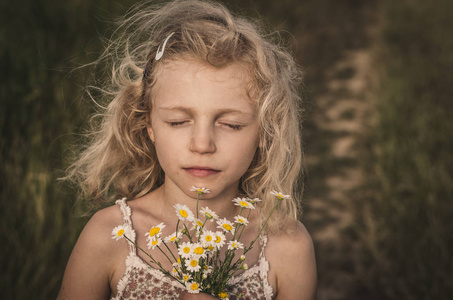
198,265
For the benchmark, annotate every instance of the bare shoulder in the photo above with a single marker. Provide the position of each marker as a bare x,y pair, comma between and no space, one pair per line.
97,232
92,261
292,263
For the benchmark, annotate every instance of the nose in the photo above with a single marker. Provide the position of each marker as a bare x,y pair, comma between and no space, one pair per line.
202,140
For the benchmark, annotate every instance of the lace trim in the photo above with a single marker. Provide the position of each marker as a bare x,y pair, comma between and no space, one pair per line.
134,261
264,270
261,267
126,213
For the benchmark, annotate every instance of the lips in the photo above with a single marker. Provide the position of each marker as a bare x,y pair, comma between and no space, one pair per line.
201,171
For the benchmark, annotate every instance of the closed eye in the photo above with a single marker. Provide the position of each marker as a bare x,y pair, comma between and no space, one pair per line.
177,123
234,126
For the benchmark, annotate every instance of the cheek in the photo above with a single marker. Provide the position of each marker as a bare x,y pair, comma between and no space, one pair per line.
244,151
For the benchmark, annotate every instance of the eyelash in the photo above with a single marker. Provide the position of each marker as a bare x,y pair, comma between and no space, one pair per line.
176,123
232,126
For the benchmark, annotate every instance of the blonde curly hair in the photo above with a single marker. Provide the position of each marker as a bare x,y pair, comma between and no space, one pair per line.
119,159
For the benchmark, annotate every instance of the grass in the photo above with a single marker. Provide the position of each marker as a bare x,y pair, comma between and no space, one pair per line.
407,231
40,116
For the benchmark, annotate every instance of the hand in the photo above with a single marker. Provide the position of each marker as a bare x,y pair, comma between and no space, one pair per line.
200,296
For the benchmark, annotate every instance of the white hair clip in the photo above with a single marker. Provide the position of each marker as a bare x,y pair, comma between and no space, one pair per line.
160,52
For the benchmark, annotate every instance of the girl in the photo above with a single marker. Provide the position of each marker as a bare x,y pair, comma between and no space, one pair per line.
198,98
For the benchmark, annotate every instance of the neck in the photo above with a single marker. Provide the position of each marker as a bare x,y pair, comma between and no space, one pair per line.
221,203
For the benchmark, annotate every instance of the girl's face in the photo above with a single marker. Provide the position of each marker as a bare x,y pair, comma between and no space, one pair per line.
204,126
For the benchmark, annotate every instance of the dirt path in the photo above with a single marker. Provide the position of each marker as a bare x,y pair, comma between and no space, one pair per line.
340,117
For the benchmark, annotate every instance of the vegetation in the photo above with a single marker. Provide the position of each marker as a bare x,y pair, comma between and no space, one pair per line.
40,116
408,233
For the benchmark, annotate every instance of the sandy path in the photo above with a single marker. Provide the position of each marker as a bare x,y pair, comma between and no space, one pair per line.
341,115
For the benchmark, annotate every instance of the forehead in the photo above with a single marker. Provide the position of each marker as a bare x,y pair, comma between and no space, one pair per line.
189,82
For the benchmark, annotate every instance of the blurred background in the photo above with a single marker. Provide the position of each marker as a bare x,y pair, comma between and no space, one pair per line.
378,138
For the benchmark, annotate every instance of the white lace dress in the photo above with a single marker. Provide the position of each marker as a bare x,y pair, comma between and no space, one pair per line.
141,281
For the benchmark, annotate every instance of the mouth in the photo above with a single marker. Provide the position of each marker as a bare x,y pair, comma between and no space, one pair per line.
197,171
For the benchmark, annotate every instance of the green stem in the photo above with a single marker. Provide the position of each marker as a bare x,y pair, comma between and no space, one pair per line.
248,217
170,252
261,230
147,254
198,198
237,224
187,232
154,261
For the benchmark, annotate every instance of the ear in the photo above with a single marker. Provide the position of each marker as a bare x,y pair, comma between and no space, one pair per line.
149,128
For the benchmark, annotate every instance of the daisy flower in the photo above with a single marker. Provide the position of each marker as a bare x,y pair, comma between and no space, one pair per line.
198,250
183,212
233,245
173,238
200,190
177,265
193,287
243,202
207,238
119,231
226,225
255,200
207,270
197,223
192,264
280,196
223,295
185,250
241,220
154,242
209,214
219,240
186,277
156,231
176,269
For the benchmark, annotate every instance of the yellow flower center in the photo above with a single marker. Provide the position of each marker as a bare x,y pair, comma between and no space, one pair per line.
154,243
173,238
243,203
208,215
199,250
227,227
200,223
186,277
218,239
194,263
154,231
194,286
208,238
186,250
223,295
210,248
183,213
120,232
179,260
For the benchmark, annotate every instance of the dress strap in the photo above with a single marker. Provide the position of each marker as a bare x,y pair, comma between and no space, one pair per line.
126,213
263,243
264,269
